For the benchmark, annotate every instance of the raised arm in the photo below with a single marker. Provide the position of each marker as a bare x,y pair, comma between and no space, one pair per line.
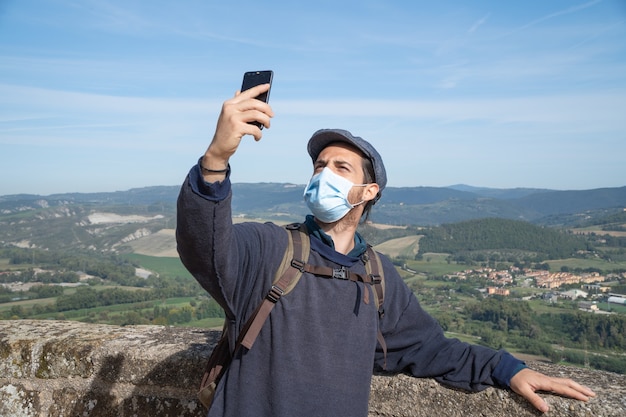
204,225
232,125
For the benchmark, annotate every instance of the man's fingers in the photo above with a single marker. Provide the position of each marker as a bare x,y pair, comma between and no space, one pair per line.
252,92
246,110
572,389
249,108
564,387
527,382
536,401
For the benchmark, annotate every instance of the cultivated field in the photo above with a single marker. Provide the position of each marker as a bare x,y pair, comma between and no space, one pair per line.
599,231
163,244
160,244
406,247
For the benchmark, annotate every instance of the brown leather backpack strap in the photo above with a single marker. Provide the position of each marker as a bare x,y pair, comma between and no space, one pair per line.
298,249
286,277
373,268
336,273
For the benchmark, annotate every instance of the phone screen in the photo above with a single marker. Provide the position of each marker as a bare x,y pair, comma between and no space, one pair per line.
254,78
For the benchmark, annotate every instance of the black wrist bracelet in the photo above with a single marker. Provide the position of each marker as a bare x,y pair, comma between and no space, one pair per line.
213,171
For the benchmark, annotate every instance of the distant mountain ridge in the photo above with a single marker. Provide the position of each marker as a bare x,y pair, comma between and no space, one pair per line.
503,193
399,205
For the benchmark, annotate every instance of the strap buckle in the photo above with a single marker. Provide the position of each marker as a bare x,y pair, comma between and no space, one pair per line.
275,294
340,273
298,264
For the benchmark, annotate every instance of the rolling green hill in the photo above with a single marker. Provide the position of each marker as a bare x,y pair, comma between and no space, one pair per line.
484,234
402,206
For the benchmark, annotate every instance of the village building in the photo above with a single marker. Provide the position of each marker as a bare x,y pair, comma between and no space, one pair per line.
574,294
498,291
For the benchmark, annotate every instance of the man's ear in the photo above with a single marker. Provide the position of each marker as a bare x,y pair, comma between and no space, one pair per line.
370,192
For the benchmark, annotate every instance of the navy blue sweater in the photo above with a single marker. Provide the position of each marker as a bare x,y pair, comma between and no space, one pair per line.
316,353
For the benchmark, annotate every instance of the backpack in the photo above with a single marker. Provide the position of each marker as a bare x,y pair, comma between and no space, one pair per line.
287,276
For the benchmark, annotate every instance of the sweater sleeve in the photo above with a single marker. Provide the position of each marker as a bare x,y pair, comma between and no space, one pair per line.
212,191
234,263
204,234
416,345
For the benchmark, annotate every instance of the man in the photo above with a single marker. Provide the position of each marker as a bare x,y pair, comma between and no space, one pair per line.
316,352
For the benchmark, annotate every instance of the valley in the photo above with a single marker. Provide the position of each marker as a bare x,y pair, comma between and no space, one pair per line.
112,259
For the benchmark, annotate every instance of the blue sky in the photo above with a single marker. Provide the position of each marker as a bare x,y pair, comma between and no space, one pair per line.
111,95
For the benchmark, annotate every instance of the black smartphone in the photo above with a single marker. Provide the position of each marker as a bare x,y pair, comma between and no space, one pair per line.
254,78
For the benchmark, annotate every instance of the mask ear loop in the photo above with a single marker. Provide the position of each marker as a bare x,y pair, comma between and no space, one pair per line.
362,201
376,198
357,204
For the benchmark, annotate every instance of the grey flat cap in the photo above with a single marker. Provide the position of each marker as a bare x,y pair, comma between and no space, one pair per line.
324,137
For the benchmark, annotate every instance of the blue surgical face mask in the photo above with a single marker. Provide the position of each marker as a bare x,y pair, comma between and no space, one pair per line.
327,196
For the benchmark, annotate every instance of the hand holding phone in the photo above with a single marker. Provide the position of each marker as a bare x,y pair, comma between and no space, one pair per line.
254,78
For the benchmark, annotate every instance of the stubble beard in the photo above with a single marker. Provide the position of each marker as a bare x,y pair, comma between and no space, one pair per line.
351,220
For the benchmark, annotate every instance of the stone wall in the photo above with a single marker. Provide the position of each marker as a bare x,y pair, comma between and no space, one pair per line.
61,368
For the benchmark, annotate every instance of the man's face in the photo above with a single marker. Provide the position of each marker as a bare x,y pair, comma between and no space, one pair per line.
347,162
343,160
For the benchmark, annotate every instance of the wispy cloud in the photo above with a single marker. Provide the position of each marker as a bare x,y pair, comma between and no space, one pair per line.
569,10
58,101
120,79
478,23
108,16
600,32
569,108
